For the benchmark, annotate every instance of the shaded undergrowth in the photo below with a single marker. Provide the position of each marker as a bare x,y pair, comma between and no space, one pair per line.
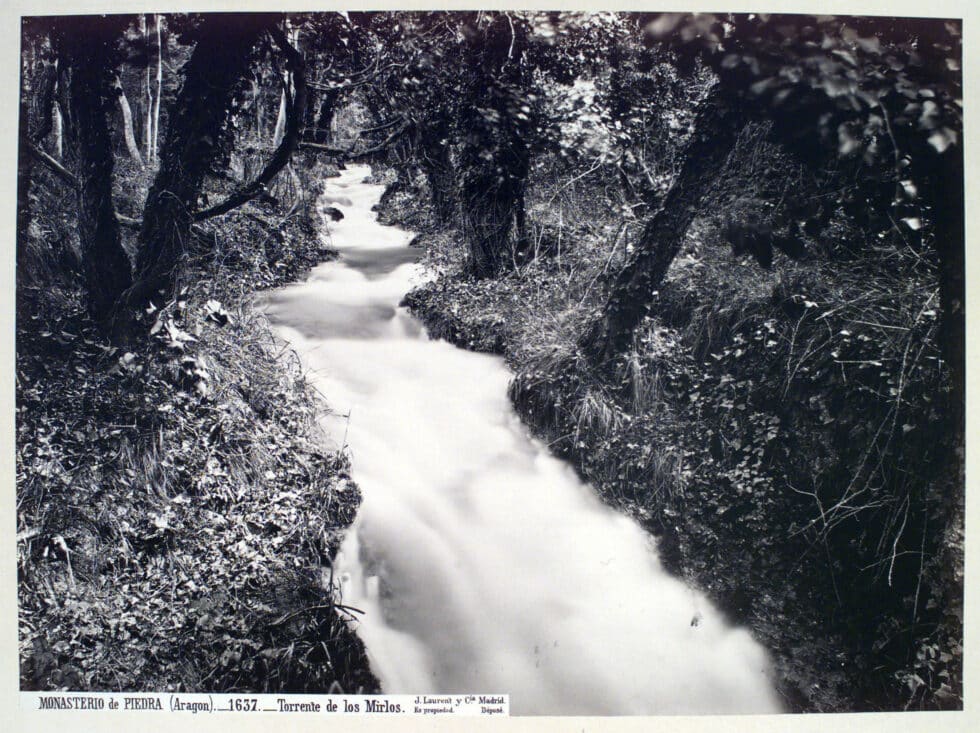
177,516
776,430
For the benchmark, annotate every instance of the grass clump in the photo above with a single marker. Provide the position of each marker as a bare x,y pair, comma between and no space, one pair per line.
177,516
774,428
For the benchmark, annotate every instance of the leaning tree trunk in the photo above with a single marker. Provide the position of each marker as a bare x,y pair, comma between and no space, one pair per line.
949,210
717,126
127,114
196,136
280,130
85,68
437,163
949,213
295,105
947,492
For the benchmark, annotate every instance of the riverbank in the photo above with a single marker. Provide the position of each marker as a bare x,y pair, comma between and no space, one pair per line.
723,426
481,561
177,514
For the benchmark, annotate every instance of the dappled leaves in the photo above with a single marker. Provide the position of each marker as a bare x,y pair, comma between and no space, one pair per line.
174,503
771,428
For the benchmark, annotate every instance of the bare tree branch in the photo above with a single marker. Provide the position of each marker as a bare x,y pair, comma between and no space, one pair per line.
280,158
351,154
324,148
53,165
379,128
380,146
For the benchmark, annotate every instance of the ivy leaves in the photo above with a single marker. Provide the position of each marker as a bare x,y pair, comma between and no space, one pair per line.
887,92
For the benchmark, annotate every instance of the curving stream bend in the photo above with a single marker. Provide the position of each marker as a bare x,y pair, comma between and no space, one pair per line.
483,563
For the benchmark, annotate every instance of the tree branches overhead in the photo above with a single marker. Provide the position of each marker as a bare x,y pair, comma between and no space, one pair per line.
295,106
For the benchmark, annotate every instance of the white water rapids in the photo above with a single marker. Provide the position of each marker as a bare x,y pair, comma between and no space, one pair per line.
483,564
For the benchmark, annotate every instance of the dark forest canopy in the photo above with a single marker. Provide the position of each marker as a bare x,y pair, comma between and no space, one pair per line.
468,91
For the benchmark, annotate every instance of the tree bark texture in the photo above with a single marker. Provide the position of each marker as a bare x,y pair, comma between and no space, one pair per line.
296,104
86,61
717,126
196,136
437,163
495,158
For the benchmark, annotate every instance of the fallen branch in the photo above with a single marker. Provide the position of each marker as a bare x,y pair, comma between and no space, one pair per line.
53,165
321,607
380,146
28,534
382,126
324,148
350,154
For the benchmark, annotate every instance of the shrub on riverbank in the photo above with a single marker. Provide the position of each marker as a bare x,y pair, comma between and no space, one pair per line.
176,513
776,431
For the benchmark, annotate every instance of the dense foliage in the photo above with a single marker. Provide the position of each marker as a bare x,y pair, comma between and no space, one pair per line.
767,424
177,513
724,253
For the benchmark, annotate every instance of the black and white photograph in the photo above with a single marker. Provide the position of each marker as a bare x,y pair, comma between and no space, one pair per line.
565,362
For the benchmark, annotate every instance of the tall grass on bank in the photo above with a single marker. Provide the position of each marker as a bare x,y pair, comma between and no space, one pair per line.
177,515
776,429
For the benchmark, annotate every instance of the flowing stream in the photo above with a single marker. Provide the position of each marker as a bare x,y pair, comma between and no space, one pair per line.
483,564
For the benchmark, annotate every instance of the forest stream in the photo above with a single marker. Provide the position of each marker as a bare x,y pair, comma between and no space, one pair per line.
481,562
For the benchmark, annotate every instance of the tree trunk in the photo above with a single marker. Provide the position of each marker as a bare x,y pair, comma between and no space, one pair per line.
950,243
58,144
290,138
86,61
148,127
156,102
437,163
280,130
44,98
373,102
323,118
127,113
717,126
196,136
284,98
495,158
24,170
257,104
